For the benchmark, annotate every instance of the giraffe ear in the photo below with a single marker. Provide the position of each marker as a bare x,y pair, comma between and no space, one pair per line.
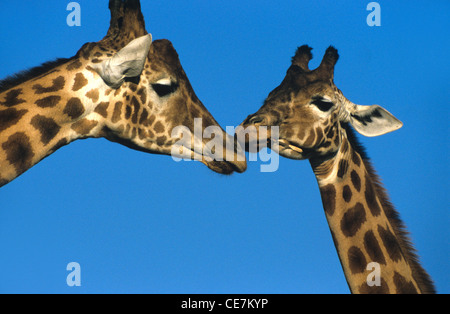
373,120
128,62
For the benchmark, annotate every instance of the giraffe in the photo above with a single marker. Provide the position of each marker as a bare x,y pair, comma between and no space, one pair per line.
315,121
125,88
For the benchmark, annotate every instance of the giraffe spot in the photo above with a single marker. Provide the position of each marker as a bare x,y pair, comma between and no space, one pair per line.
356,180
403,286
96,60
10,117
161,140
357,261
102,108
355,158
84,127
133,87
143,118
74,108
328,194
46,126
342,168
371,198
80,82
159,127
136,107
117,112
128,112
373,248
133,133
58,84
74,65
48,102
19,152
390,243
352,220
347,194
381,289
98,54
93,94
142,93
12,98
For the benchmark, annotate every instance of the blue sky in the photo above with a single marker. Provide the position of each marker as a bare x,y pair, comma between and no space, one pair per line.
145,224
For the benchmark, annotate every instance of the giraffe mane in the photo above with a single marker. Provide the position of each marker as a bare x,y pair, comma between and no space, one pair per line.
403,236
26,75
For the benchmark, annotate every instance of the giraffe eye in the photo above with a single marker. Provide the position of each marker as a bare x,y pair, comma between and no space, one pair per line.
164,87
322,103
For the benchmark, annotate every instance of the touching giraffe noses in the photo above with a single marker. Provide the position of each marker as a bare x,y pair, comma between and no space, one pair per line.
238,160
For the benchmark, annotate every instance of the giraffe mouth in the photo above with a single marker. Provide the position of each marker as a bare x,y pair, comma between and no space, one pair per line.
225,167
235,164
288,149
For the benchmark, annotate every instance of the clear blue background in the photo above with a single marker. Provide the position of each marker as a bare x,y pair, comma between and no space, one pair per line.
144,223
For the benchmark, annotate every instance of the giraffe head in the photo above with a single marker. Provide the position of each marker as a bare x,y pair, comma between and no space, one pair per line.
310,110
147,94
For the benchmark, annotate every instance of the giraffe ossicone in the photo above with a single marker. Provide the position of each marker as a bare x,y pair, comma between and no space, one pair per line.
316,122
125,88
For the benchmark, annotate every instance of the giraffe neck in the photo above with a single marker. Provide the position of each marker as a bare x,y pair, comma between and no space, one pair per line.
44,113
364,225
